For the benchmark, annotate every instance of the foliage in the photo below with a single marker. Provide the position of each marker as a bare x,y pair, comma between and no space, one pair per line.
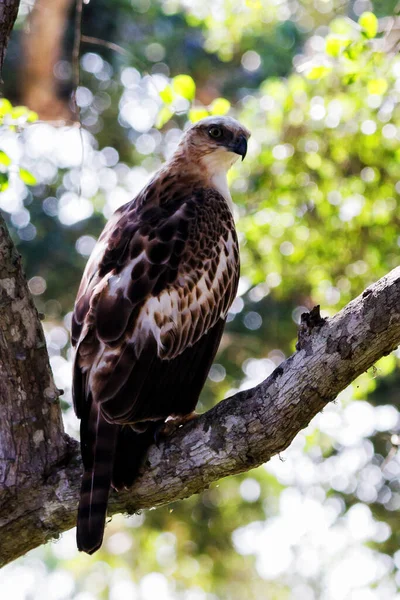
317,203
326,155
14,118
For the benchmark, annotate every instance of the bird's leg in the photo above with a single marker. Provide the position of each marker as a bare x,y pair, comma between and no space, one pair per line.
172,424
177,421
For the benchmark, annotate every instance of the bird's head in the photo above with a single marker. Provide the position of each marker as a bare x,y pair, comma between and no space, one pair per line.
214,144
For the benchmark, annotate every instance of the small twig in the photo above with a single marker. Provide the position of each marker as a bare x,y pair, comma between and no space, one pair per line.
76,76
75,55
98,42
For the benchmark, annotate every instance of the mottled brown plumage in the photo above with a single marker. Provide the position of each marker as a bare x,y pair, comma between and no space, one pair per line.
150,312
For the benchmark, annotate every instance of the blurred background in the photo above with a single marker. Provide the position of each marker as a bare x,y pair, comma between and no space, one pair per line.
317,202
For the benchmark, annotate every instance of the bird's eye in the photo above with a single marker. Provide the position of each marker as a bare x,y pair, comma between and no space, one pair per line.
215,132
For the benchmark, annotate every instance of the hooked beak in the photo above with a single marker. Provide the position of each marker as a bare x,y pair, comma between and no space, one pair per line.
239,146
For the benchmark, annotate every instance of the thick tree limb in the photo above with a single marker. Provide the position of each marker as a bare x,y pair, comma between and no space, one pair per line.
8,15
42,45
39,501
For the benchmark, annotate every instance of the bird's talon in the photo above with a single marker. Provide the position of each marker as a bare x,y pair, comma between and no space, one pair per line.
171,425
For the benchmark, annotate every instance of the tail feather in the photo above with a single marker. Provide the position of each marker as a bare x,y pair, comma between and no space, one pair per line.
101,439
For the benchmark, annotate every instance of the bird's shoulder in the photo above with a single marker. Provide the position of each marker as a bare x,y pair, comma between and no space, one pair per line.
184,214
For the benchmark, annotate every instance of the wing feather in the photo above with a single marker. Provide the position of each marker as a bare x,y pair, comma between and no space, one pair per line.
161,278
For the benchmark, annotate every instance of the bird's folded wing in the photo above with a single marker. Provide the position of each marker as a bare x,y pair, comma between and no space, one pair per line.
160,277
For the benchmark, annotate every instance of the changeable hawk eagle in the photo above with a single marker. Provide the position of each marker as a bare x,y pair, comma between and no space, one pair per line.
151,310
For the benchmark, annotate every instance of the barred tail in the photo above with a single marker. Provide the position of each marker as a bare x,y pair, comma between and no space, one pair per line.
98,454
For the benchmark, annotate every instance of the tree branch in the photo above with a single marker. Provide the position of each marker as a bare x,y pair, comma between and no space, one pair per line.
8,15
236,435
42,45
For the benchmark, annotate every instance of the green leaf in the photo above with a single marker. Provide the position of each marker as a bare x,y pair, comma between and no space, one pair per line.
32,116
369,24
3,181
19,111
27,177
4,159
220,106
354,50
163,116
167,95
318,72
5,107
342,26
195,114
377,86
334,44
350,78
183,85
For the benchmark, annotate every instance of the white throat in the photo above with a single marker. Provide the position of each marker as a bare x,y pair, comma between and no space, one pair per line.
220,182
217,165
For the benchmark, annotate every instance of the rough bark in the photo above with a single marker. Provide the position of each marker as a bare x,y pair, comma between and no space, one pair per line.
42,48
31,433
41,469
8,15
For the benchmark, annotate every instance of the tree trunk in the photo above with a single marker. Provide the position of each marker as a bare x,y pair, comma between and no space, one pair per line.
8,15
32,438
40,467
42,47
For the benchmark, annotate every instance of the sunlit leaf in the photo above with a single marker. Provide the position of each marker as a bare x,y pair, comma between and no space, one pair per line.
377,86
220,106
350,78
254,4
19,111
184,86
355,50
195,114
163,116
318,72
167,95
5,107
27,177
32,116
4,159
369,23
193,21
342,26
335,44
